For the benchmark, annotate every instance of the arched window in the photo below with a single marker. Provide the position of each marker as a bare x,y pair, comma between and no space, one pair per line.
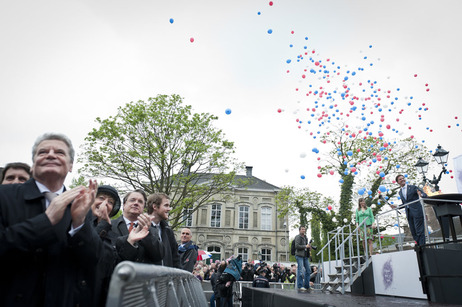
215,251
243,217
266,217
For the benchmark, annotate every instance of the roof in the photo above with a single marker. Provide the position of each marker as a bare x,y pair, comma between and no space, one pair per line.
255,183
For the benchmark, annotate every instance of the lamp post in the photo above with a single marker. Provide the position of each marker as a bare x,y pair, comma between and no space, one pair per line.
287,240
441,157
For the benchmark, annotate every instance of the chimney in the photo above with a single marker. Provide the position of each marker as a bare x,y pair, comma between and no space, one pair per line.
248,171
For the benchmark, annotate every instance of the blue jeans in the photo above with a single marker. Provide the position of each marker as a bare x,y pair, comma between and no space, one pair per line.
303,278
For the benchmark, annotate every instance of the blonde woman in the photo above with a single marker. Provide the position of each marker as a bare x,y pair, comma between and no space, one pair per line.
364,212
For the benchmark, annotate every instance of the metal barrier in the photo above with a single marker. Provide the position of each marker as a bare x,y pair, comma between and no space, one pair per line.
137,284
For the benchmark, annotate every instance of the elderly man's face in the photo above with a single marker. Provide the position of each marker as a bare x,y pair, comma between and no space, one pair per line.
51,159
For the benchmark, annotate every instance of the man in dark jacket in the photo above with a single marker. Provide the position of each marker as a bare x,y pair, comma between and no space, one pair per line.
414,211
302,254
159,208
48,248
187,251
261,281
137,240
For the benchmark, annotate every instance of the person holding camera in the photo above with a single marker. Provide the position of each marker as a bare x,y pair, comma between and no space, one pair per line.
302,254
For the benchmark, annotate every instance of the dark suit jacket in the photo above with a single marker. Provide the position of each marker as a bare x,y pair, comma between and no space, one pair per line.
188,256
148,250
171,256
41,264
414,209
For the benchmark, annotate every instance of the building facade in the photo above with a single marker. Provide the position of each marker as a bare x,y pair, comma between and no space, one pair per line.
242,222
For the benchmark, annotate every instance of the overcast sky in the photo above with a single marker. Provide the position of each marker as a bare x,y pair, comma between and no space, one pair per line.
64,63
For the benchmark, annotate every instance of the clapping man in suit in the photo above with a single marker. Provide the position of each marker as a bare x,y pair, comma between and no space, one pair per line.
48,248
414,212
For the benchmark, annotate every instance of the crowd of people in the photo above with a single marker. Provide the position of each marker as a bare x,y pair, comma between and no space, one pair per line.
259,273
59,247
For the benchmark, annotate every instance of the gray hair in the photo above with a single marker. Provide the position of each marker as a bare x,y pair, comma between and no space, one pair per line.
54,136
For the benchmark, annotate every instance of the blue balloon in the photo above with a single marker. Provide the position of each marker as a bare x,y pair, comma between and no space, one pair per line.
382,188
302,176
382,174
369,192
288,61
360,191
350,153
171,20
341,181
270,31
228,111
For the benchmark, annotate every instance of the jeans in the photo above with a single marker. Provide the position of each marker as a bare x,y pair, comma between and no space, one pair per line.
303,278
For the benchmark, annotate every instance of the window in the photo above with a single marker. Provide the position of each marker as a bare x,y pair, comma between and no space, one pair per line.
266,218
244,252
266,254
188,217
215,218
215,251
243,217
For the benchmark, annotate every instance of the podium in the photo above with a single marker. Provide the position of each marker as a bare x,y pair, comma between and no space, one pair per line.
439,263
446,208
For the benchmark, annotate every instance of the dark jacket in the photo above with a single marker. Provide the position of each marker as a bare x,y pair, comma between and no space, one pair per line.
171,256
188,256
41,264
414,209
300,246
148,250
260,282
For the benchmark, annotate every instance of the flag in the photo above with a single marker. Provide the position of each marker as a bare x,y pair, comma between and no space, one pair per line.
458,172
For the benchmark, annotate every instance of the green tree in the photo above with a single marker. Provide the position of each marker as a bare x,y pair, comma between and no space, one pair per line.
367,164
303,206
162,146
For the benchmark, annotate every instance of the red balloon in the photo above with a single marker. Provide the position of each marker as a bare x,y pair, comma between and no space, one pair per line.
319,175
329,207
191,39
271,3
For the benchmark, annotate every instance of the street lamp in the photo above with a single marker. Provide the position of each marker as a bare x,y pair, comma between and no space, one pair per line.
441,157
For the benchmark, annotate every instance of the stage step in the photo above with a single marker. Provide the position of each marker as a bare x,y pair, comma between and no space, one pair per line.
334,285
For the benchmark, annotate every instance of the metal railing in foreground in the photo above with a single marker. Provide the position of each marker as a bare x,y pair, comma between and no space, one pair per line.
138,284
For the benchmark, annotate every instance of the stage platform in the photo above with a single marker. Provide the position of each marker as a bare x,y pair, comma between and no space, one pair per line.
255,297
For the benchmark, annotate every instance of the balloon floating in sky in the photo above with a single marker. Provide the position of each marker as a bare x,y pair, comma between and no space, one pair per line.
228,111
171,20
192,40
270,31
271,3
302,176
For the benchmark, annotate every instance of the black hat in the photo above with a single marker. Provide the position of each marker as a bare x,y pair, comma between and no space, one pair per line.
107,189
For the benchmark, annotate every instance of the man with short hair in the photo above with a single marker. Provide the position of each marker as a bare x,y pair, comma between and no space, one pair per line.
158,209
48,249
16,172
261,281
187,250
414,212
137,240
302,254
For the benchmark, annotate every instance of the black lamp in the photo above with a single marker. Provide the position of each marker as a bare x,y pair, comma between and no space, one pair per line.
441,157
